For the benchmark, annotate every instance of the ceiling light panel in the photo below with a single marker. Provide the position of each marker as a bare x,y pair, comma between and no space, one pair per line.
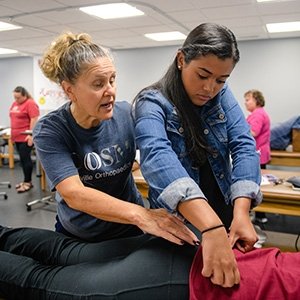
112,11
259,1
283,27
7,26
166,36
7,51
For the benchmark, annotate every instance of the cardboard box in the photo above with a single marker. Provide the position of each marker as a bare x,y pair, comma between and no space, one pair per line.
296,139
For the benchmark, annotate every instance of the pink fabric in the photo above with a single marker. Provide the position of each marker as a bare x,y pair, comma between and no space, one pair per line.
266,274
20,116
259,122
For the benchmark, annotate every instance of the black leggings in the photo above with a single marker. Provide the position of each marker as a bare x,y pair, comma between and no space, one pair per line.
25,158
43,264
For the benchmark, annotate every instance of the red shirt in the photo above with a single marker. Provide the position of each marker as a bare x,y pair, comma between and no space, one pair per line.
266,274
20,116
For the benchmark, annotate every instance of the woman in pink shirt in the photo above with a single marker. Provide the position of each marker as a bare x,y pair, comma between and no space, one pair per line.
23,113
259,122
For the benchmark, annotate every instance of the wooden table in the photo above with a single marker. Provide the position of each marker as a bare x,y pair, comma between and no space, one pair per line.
281,198
285,158
140,183
277,199
10,153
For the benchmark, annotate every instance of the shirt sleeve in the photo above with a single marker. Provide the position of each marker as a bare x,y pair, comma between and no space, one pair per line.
53,153
33,109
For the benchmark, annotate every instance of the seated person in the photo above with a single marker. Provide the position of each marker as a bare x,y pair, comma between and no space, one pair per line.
281,134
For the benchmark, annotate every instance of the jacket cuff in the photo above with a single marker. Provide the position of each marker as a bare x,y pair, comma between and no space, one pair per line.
182,189
247,189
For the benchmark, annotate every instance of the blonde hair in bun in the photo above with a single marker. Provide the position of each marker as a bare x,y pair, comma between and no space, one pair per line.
68,55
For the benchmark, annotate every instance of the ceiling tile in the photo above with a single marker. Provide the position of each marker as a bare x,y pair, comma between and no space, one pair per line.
43,20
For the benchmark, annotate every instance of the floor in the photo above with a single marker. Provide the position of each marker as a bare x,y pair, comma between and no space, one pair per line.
282,231
13,210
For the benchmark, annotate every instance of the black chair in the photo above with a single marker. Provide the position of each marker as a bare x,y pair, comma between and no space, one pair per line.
3,143
5,183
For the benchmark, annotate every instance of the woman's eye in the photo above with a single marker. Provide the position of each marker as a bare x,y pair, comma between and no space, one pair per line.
202,77
98,84
112,80
221,81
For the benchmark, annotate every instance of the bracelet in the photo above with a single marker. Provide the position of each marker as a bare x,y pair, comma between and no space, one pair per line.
212,228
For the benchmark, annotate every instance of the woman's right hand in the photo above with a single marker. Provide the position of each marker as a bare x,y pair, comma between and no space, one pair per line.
161,223
219,263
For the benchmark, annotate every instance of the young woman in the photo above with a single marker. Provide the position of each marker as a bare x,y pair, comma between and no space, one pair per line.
188,128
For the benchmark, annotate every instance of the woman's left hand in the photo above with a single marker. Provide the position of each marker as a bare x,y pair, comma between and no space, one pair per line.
242,233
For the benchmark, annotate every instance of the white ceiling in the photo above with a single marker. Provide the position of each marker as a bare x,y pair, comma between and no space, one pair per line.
43,20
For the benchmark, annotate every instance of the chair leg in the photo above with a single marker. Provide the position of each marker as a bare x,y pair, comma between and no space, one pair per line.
4,195
5,183
45,200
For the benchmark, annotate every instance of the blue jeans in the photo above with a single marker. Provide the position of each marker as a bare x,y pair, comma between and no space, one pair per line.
43,264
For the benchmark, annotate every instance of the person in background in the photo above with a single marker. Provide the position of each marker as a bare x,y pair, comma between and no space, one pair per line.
187,126
260,125
87,149
281,133
24,113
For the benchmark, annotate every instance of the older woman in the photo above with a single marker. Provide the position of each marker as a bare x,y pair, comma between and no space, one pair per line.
87,148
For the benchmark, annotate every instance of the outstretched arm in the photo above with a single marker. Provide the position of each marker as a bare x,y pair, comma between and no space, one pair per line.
105,207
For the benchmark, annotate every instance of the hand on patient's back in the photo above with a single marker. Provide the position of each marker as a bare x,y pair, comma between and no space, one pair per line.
161,223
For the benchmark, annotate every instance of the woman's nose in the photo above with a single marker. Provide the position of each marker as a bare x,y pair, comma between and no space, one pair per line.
110,90
209,86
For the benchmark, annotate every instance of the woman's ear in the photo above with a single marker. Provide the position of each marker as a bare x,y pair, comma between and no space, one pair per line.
180,60
68,89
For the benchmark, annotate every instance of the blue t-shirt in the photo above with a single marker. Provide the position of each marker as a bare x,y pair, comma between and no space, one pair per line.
102,156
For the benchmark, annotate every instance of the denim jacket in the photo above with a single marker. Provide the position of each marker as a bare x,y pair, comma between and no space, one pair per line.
166,165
